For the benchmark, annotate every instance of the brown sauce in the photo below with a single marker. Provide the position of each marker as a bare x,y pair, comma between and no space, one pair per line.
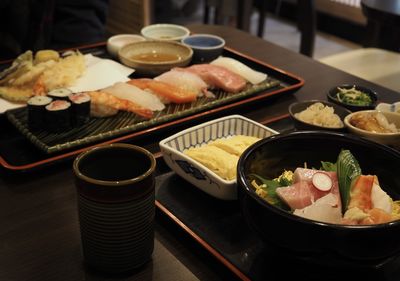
156,57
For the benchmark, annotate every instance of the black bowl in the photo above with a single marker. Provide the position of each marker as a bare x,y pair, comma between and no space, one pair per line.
302,105
269,157
373,95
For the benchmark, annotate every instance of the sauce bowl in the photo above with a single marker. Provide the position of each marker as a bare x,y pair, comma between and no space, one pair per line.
155,57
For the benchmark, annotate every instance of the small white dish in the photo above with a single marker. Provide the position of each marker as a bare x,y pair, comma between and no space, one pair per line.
389,107
165,32
114,43
392,139
197,174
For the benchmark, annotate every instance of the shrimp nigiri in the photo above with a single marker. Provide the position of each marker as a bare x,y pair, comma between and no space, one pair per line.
104,104
134,94
165,91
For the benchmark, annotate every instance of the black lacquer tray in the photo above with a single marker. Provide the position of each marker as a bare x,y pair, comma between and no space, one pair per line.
22,150
219,227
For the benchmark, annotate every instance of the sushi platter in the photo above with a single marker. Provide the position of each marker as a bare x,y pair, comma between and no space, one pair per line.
56,144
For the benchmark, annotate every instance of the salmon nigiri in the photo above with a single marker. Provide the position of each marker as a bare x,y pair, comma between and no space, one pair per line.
167,92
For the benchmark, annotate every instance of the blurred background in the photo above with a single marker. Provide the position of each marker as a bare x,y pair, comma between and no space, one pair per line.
340,24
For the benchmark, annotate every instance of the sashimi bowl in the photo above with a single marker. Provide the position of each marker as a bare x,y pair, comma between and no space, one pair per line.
305,215
155,57
206,155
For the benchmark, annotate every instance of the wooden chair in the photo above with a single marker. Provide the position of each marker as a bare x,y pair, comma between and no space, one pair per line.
376,65
306,18
128,16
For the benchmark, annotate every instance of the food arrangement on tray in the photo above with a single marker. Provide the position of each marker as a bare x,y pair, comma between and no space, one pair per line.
124,106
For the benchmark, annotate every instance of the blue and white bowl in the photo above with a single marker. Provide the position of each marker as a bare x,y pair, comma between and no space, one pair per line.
194,172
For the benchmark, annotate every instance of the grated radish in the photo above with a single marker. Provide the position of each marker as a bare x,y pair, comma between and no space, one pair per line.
322,181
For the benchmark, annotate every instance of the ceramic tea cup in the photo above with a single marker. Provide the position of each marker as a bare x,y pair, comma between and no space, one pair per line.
115,190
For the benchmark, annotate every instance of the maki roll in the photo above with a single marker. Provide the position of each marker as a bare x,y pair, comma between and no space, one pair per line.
37,111
58,116
80,108
60,94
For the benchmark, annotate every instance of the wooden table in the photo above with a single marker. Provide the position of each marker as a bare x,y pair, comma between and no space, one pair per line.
383,22
39,231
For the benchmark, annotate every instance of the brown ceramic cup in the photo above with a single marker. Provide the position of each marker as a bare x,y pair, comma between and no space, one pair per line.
115,189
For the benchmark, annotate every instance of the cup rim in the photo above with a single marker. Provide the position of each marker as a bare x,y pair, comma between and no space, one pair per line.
114,183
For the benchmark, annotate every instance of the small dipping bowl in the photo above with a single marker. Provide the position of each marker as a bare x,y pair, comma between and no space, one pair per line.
298,107
353,107
114,43
165,32
391,139
155,57
206,47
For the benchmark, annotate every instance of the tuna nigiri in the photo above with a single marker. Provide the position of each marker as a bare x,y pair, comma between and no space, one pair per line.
218,77
134,94
254,77
167,92
104,104
184,80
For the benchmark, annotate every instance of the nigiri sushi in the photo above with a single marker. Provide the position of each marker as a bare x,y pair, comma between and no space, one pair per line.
184,80
218,77
254,77
167,92
134,94
104,104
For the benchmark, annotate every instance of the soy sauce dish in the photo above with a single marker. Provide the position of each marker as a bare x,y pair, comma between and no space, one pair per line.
155,57
206,47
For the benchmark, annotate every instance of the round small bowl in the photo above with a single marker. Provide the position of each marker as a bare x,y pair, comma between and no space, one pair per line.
297,107
305,237
155,57
206,47
391,107
383,138
114,43
165,32
374,97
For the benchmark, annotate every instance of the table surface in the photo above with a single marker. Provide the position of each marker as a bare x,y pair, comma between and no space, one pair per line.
39,231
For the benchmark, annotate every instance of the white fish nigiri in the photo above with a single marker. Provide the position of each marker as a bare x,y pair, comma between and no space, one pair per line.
380,199
134,94
184,80
254,77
